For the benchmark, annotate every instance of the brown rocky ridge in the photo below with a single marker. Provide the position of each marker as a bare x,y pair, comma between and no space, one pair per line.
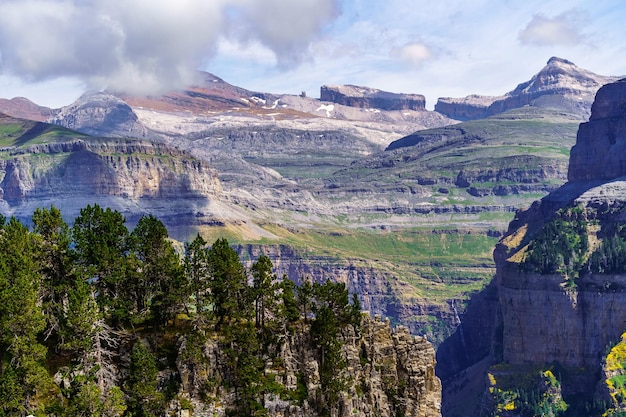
23,108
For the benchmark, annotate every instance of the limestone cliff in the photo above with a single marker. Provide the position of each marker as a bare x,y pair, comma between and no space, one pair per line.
599,153
560,284
389,373
131,176
371,98
379,289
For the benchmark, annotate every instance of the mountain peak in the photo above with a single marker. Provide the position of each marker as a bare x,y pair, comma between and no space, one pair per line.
557,60
560,85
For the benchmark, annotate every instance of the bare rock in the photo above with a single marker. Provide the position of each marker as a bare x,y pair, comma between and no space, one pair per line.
559,85
101,114
371,98
599,153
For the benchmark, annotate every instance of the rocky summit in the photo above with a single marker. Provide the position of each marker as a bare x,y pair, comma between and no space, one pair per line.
559,85
554,311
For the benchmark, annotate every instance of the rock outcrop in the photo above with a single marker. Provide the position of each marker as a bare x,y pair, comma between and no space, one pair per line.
101,114
559,85
371,98
471,107
600,150
558,305
389,371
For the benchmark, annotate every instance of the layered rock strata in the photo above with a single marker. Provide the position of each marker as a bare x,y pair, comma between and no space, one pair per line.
371,98
131,176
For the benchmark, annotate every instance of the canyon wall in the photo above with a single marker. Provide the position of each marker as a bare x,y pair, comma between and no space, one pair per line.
131,176
555,310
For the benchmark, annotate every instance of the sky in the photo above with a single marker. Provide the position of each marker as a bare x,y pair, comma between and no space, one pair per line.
51,51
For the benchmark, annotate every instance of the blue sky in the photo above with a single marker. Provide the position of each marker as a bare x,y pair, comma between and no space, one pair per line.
51,51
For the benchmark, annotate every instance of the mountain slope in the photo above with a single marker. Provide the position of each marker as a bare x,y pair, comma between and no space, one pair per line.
410,229
494,164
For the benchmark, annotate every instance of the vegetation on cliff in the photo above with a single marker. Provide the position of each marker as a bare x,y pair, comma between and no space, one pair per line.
561,246
98,320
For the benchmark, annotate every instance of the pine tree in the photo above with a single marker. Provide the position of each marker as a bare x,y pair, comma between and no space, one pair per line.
159,288
290,310
228,283
197,274
263,291
305,294
101,240
57,266
21,319
145,399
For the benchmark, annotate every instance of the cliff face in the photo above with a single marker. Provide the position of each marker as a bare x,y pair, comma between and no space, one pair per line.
579,321
389,371
373,284
470,107
559,85
600,147
371,98
559,303
131,176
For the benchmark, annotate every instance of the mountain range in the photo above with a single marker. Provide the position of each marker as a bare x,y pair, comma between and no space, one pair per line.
365,187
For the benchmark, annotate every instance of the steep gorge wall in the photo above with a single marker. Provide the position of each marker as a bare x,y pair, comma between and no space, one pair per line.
568,319
379,291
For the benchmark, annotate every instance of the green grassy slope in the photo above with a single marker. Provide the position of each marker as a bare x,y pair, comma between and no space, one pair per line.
20,133
525,150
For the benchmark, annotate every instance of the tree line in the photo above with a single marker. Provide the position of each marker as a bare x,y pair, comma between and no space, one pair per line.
562,246
73,297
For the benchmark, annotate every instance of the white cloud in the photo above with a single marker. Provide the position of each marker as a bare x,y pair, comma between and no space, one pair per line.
286,27
414,54
146,46
564,29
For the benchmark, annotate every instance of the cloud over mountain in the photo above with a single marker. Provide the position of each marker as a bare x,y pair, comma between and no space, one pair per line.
146,46
564,29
